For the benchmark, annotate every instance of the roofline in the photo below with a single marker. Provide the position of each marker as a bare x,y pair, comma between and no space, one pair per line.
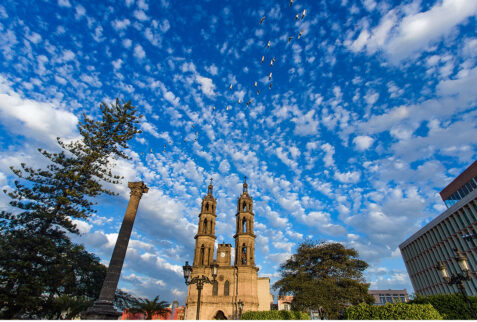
472,195
459,181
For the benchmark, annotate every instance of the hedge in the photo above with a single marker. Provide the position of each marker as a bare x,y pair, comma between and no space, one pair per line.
398,311
450,306
275,315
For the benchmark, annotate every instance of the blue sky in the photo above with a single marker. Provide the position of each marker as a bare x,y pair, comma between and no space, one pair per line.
371,113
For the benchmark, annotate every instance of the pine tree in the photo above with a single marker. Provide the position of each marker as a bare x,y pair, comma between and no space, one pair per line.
38,262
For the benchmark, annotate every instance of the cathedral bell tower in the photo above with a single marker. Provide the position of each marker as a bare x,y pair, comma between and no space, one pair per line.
205,238
244,236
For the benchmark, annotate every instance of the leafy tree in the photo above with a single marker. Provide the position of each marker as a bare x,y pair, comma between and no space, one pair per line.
150,308
392,311
124,300
325,275
38,262
450,306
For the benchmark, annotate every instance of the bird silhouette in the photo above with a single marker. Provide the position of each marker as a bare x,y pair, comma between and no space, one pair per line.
263,18
255,84
240,101
291,2
297,16
258,92
230,88
263,58
248,103
299,35
270,86
268,44
270,76
289,39
303,14
272,61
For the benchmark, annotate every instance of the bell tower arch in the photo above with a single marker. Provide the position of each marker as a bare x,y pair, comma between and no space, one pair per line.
244,236
205,237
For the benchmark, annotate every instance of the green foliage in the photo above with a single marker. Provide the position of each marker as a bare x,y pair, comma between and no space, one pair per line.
123,300
150,308
274,315
450,306
325,275
38,262
397,311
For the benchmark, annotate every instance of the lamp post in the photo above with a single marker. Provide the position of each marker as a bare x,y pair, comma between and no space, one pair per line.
459,278
200,281
240,307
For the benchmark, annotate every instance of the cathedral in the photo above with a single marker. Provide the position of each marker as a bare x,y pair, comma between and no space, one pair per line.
235,283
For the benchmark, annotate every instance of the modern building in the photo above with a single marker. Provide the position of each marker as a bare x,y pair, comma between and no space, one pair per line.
440,238
235,283
382,297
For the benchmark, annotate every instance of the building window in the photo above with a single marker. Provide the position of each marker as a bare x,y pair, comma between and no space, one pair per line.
226,288
286,306
215,289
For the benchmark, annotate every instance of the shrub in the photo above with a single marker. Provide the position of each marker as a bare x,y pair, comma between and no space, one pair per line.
275,315
398,311
450,306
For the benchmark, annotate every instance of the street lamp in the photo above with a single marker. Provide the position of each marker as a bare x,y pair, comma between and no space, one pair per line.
240,306
459,278
199,281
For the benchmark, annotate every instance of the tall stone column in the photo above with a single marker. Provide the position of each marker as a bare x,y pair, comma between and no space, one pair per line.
103,308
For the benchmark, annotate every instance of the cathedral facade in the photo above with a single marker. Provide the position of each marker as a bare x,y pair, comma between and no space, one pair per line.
237,282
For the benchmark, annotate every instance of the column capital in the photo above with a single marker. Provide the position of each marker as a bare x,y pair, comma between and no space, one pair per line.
138,188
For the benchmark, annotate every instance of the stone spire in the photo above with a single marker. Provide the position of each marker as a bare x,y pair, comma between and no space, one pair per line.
244,236
103,308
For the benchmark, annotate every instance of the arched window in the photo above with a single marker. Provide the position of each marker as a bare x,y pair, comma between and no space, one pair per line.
207,206
244,254
244,206
215,289
244,225
202,254
205,226
226,288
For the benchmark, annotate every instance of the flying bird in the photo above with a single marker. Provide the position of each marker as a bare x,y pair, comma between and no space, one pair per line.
289,39
270,76
255,84
230,88
263,18
151,150
297,16
270,86
258,92
240,100
272,61
299,35
213,107
291,2
268,44
263,58
303,14
248,103
227,108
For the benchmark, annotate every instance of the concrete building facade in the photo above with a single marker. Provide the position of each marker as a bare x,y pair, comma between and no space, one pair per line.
438,240
237,282
382,297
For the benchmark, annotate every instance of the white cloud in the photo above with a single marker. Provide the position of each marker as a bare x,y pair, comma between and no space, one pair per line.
415,31
120,24
40,121
64,3
140,15
306,124
348,177
363,142
329,152
139,52
206,85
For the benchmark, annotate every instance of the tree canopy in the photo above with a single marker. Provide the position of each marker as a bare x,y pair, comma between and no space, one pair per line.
324,275
38,262
150,308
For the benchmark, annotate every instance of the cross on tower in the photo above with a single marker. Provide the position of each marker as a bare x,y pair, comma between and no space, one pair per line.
211,180
245,179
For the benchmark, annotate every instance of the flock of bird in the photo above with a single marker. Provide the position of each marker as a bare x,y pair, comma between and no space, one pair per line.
299,16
